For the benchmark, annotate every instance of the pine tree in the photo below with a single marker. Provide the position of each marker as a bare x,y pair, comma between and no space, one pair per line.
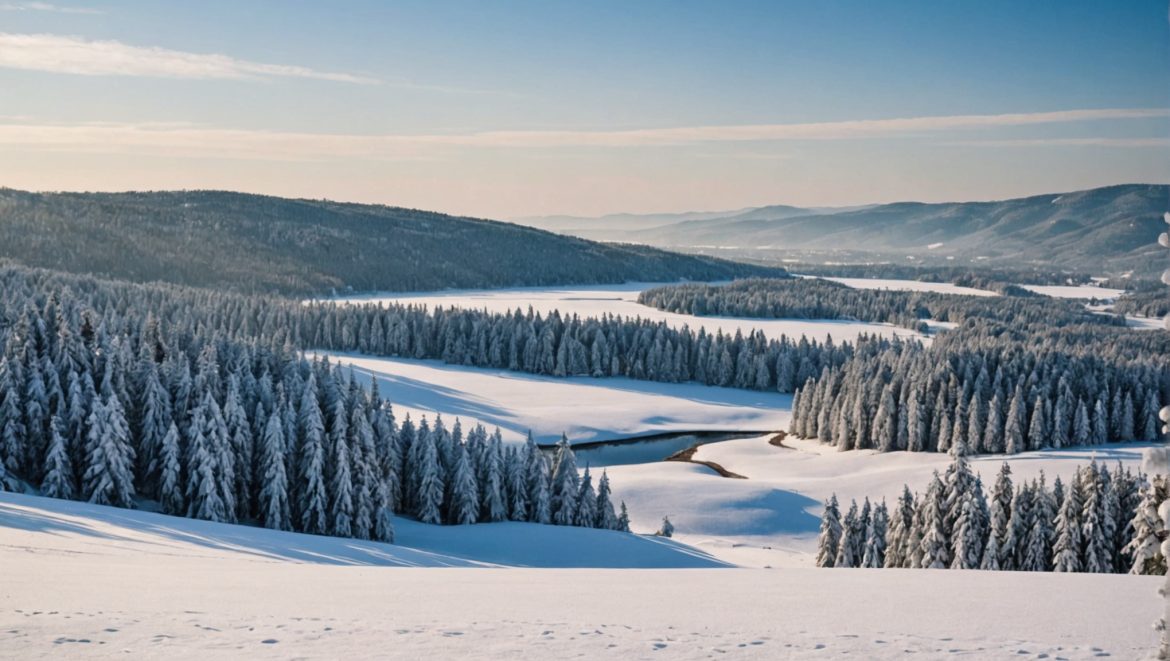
1097,557
875,538
273,501
967,544
170,489
564,485
1067,549
109,457
848,543
465,500
58,470
428,497
935,546
901,522
340,488
1001,508
605,519
667,528
624,519
313,503
586,502
1148,530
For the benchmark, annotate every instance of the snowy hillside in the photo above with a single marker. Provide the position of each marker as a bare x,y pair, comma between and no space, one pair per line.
585,408
772,517
92,582
62,527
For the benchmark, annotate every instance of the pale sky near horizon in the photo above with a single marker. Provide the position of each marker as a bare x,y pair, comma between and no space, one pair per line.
514,108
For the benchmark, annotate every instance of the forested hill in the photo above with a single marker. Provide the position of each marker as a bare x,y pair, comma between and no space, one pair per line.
259,243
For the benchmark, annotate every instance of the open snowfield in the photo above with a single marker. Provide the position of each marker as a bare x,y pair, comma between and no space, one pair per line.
84,581
585,408
598,300
1082,291
772,517
910,285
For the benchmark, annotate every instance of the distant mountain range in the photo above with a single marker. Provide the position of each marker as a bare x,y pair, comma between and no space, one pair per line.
260,243
1110,229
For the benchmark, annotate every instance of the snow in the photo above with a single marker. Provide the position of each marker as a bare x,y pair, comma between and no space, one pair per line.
772,517
587,409
59,528
1076,291
80,583
911,285
598,300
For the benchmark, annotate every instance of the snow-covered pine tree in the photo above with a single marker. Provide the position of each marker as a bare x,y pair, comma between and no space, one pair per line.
58,470
109,458
875,538
847,544
1097,557
1148,530
1067,548
170,478
667,528
586,502
935,546
273,500
605,517
901,521
624,519
494,503
967,541
313,503
428,497
464,492
1000,505
565,484
340,486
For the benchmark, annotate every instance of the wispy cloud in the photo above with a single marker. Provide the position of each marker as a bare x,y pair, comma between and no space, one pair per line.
1123,143
172,138
45,6
74,55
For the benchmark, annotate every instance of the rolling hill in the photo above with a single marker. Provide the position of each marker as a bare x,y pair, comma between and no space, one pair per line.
1109,229
260,243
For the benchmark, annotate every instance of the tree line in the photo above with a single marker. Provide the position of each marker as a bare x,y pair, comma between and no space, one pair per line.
103,400
1101,522
992,388
814,298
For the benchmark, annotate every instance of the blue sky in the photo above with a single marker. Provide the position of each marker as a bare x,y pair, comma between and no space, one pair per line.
505,109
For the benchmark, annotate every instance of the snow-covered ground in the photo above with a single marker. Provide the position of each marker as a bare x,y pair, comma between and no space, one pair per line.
1072,291
585,408
911,285
772,518
80,582
597,300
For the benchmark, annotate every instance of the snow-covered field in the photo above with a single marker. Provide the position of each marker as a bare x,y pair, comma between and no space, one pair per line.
597,300
1082,291
585,408
772,518
911,285
85,581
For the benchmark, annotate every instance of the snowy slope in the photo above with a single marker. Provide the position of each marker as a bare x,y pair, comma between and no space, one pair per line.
585,408
772,518
598,300
65,528
77,585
